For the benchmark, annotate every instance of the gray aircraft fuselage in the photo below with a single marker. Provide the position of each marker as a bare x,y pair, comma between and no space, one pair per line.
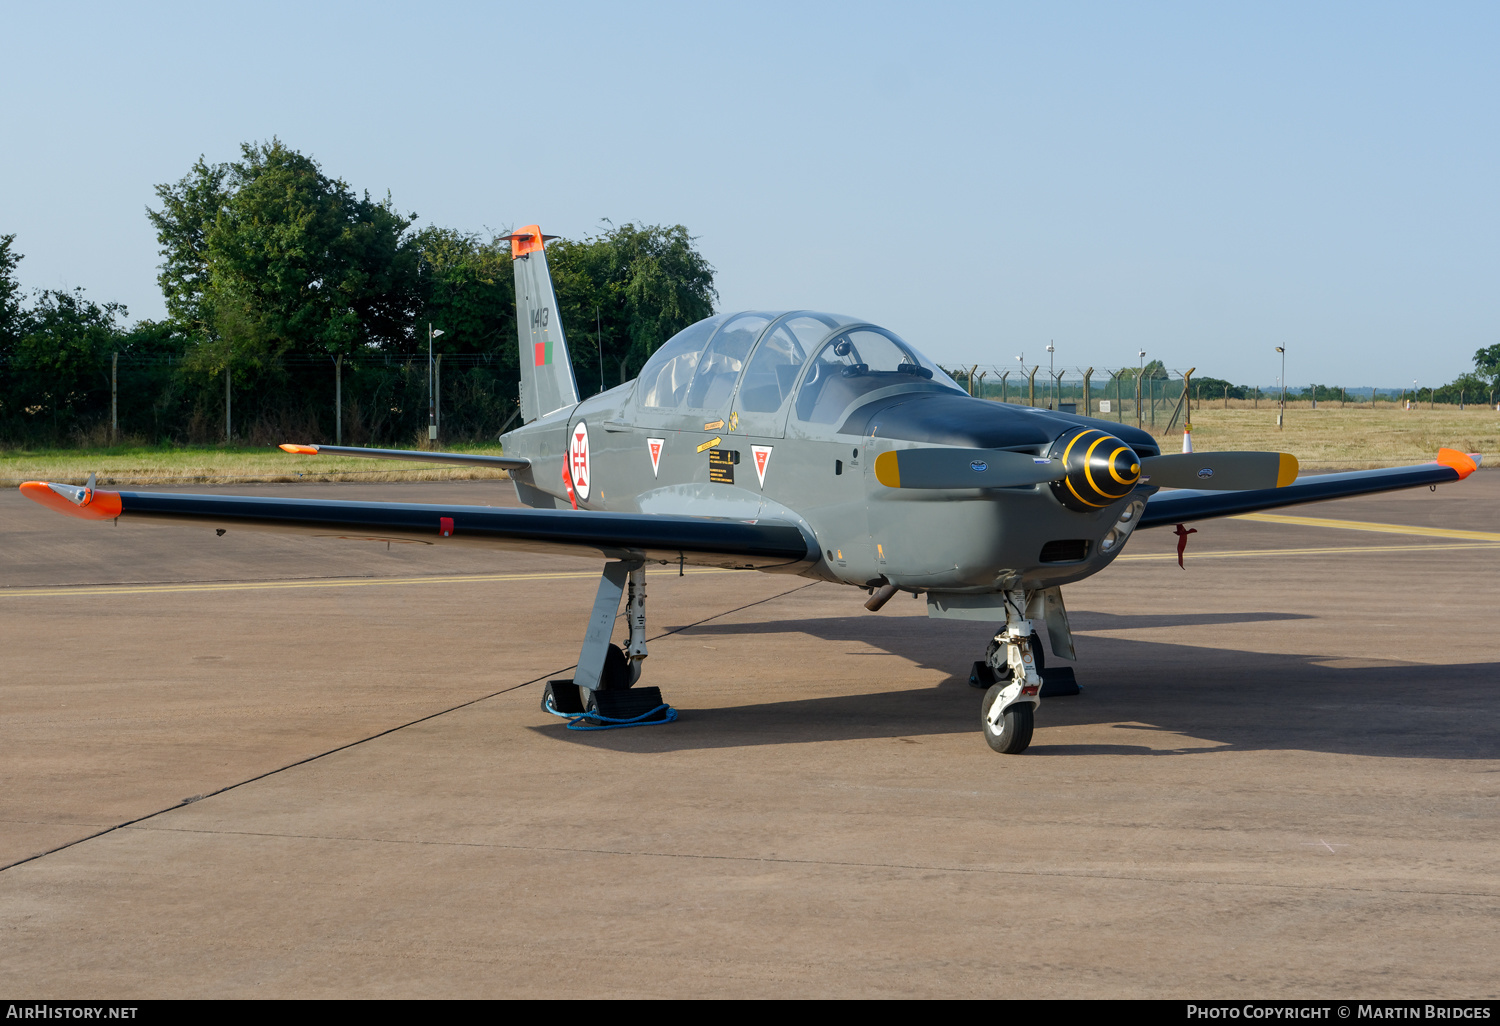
820,476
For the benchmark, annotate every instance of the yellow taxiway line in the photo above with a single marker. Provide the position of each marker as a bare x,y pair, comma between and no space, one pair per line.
367,582
336,582
1365,525
1252,553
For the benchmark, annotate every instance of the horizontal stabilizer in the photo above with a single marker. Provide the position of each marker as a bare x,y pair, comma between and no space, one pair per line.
964,468
415,455
1220,471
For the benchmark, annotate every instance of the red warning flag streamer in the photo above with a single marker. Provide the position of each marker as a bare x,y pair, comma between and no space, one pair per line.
568,484
1182,533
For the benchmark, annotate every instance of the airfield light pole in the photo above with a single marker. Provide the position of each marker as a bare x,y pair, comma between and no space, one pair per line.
1139,422
431,387
1281,410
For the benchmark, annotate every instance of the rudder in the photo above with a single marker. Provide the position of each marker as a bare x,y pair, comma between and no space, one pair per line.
547,382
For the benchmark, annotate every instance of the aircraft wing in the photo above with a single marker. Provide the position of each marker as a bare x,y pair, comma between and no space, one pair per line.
1180,506
699,541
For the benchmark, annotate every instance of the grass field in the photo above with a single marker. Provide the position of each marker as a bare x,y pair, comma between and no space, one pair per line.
1328,438
219,465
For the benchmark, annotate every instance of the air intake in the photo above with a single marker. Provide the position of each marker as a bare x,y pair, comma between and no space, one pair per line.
1068,550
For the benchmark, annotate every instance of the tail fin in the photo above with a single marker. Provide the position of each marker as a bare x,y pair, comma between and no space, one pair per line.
547,381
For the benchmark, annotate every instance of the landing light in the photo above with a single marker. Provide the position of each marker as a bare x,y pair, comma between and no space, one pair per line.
1117,534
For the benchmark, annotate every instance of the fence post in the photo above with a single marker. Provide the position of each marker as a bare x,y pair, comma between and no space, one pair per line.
1088,408
1004,391
114,397
228,434
437,394
1031,386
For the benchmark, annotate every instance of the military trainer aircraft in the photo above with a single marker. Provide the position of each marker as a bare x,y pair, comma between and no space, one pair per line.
804,443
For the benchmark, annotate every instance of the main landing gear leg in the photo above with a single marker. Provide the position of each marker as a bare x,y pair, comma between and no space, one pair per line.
1008,711
602,686
635,615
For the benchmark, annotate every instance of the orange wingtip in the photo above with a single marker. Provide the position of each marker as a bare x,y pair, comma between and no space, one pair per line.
301,450
97,505
1464,463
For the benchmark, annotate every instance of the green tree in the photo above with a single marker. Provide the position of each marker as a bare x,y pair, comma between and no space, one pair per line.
10,293
190,210
1466,388
1487,362
468,289
296,260
1206,388
640,284
268,254
57,373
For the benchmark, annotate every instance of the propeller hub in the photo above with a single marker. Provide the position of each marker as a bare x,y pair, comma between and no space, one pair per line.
1102,469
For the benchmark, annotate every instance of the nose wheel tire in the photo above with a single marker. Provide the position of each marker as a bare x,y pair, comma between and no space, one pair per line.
1014,733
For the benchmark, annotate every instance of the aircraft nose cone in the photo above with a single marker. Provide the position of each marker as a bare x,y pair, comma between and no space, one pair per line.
1101,469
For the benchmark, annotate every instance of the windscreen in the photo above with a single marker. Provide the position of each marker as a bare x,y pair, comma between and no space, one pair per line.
855,363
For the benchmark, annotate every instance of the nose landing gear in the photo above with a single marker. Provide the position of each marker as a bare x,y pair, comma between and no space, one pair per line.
1008,711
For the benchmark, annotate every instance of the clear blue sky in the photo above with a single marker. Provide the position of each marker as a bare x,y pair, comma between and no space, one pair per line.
1204,181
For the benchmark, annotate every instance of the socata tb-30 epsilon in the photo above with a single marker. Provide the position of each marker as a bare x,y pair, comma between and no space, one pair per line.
798,443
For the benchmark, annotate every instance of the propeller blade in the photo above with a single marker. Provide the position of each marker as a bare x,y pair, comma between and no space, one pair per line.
963,468
1220,471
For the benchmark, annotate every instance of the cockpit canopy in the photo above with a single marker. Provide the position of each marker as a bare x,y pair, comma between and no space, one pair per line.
829,360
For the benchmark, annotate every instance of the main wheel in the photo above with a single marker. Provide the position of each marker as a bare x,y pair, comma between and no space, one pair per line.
616,673
614,677
1014,733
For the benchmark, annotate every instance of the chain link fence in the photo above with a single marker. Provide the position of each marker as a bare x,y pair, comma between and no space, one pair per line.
156,399
384,400
1154,400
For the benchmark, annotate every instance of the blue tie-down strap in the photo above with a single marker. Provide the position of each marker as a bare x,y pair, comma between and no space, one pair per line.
594,719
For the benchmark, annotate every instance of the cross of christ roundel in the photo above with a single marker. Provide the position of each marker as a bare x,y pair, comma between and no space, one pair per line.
578,459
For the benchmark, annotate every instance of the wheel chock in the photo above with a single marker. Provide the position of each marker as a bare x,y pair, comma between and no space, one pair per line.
561,698
1059,683
631,704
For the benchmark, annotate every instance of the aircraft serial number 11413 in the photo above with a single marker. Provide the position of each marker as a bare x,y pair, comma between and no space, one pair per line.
799,443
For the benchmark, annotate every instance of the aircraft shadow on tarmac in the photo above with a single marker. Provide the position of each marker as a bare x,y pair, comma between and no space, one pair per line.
1192,700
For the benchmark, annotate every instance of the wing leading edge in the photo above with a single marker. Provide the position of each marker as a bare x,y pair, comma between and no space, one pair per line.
665,538
1183,506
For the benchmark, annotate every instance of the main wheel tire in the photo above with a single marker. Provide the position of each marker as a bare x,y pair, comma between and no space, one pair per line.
614,677
1014,733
